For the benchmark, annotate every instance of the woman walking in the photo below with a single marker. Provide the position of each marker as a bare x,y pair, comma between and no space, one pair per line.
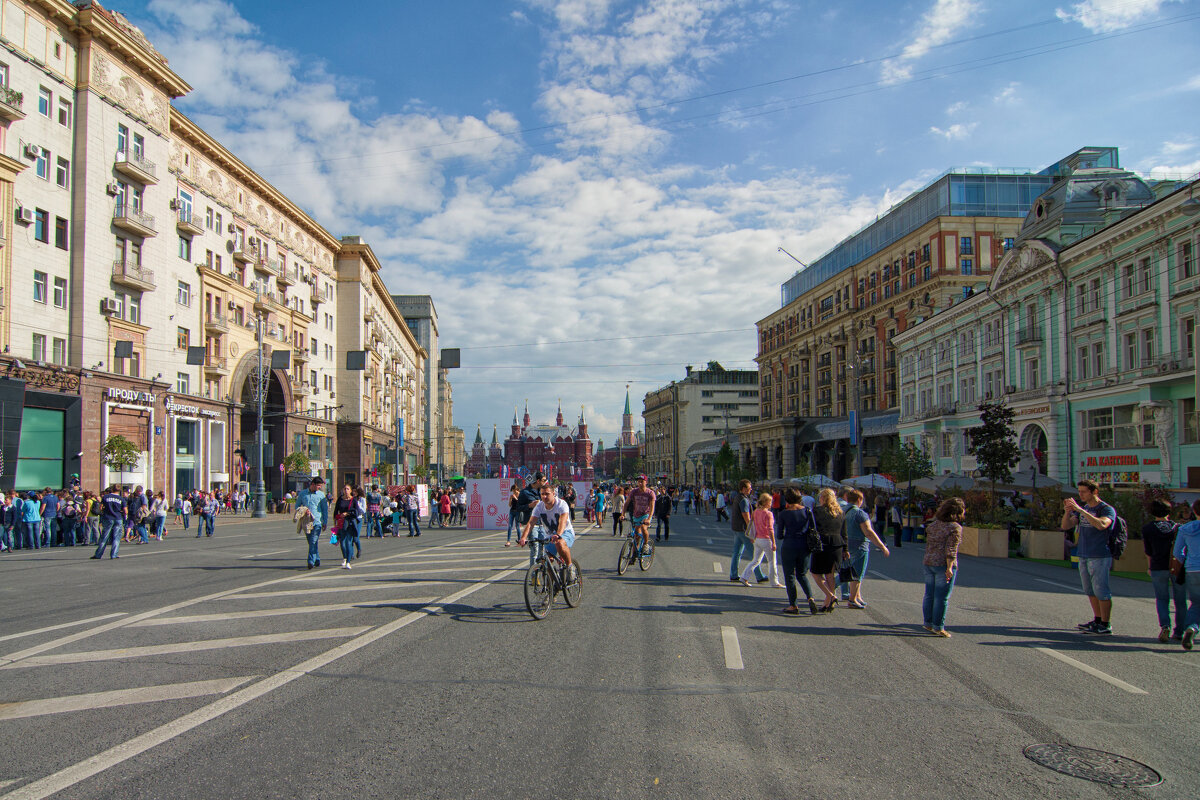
942,537
1158,540
1187,553
796,528
618,511
600,504
764,543
347,513
830,521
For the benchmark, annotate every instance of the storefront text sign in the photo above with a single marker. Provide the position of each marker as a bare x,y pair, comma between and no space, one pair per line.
316,430
1112,461
131,396
1035,410
195,411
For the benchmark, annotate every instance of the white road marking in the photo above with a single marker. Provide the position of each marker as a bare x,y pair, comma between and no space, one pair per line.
60,627
271,553
709,541
733,651
881,575
152,553
186,647
1104,676
344,574
120,697
1056,583
10,782
281,612
417,563
325,589
717,567
57,782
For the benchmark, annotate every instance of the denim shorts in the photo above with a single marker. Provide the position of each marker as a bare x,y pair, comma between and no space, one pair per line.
1093,574
858,562
568,538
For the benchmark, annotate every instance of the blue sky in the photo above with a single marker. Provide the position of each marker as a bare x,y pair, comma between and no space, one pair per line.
577,173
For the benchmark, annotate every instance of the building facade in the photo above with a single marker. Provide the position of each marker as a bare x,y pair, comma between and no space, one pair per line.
704,405
142,263
420,314
825,358
1087,331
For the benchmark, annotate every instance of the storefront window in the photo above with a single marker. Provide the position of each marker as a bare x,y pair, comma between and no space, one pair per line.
1106,428
40,460
186,447
1191,425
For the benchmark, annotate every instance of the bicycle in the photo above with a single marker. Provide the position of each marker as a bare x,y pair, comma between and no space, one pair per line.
629,553
543,581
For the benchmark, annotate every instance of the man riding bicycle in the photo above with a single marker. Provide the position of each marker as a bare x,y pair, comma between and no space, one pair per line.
552,513
639,505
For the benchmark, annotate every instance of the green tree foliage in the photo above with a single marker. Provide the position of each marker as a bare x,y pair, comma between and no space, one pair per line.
905,463
298,463
725,463
994,444
118,453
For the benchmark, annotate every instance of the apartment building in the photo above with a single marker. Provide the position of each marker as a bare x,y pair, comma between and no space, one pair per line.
420,314
703,405
1086,330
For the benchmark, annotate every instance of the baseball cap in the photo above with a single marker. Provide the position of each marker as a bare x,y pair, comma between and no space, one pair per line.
642,477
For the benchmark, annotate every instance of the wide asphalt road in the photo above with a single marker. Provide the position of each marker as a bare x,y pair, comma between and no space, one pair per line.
222,668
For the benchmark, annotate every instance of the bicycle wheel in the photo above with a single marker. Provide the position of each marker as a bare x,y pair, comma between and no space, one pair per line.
539,592
626,557
647,556
573,585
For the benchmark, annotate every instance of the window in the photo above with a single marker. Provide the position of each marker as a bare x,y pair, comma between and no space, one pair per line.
122,139
966,266
39,347
1131,350
42,164
1032,373
62,173
926,273
40,284
1145,275
925,252
185,248
1096,296
1083,362
314,348
1009,243
58,353
1097,359
185,205
60,292
3,74
217,220
135,313
182,383
1129,282
184,294
208,218
61,233
1187,337
1081,299
966,246
182,338
45,104
139,146
1147,346
65,112
1187,262
1106,428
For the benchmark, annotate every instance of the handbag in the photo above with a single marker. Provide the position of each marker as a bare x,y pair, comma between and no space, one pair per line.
845,571
749,534
1178,571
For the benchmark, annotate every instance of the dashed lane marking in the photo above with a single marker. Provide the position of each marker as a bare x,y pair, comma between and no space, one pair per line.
270,553
881,575
717,567
186,647
120,697
60,627
1095,673
733,651
282,612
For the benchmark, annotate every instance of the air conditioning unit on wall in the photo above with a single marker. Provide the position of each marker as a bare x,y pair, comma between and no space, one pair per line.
25,216
109,305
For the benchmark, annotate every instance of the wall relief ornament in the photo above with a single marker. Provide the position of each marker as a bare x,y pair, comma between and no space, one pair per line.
124,90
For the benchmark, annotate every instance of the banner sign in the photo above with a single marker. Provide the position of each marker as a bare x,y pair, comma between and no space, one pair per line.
487,503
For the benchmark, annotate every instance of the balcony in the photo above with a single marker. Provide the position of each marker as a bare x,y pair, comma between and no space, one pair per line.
1029,394
133,276
370,315
137,167
317,298
300,355
215,323
10,104
1029,337
188,224
266,266
216,365
131,218
242,255
288,276
301,388
1174,364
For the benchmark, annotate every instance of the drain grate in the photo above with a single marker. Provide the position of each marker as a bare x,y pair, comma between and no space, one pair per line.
1093,765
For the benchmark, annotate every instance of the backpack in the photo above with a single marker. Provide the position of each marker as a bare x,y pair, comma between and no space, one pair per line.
1118,536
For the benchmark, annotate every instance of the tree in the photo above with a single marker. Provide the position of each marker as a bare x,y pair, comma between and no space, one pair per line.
994,444
298,463
421,471
724,463
906,463
117,453
385,471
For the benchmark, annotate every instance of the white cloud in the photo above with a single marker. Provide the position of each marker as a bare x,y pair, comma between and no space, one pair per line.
1105,16
937,26
955,132
954,109
1008,95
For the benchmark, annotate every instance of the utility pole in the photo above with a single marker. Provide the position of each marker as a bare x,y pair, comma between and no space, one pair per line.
260,489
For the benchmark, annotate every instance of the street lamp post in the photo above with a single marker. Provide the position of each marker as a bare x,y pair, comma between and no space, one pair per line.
260,489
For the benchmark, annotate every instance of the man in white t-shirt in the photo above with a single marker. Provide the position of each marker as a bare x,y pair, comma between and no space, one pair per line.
554,515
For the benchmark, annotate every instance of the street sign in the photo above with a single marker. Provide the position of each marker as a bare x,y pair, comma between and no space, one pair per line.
281,467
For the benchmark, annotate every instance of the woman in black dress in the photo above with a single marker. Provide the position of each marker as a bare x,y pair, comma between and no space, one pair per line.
795,524
830,522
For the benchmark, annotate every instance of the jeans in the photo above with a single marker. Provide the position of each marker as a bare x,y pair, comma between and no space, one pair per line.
1166,589
374,525
187,521
414,523
210,522
6,539
742,543
858,562
143,532
1193,593
937,596
348,539
1093,574
662,524
67,526
111,530
314,539
794,559
32,535
93,530
512,524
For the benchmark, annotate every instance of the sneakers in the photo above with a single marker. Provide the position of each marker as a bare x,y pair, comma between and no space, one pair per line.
1088,627
1102,629
1189,637
1164,634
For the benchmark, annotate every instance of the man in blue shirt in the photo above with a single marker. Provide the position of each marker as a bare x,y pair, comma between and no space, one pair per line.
312,501
740,522
31,514
1092,517
49,518
112,522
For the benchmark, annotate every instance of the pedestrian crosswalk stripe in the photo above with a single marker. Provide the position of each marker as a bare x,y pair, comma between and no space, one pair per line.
149,553
271,553
283,612
186,647
717,567
60,627
389,585
120,697
343,574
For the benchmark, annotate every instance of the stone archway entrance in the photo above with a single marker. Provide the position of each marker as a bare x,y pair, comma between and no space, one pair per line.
1034,444
275,444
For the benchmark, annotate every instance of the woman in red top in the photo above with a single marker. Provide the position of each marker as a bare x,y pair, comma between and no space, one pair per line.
444,508
764,542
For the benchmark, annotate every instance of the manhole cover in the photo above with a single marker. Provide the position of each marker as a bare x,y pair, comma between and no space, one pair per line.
1093,765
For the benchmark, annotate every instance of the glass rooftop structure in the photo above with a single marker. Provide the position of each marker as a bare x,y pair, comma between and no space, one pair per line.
958,192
